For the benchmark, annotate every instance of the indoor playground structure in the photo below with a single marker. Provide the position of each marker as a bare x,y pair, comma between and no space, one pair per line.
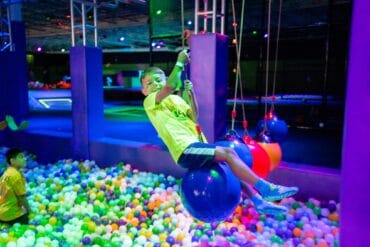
97,172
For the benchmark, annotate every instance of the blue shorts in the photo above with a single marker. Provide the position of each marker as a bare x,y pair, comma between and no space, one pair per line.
197,154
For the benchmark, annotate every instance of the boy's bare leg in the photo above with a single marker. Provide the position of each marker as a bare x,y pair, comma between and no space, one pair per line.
241,170
269,191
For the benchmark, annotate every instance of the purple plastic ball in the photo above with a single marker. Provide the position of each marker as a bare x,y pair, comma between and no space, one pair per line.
86,241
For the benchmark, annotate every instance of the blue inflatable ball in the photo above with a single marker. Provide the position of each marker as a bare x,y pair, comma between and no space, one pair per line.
263,137
277,129
210,193
240,148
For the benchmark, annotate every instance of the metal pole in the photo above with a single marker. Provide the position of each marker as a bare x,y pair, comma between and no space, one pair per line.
72,23
205,16
214,10
150,34
223,17
196,16
83,24
95,24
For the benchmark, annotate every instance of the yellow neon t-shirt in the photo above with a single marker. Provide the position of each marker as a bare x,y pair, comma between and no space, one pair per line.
171,120
12,184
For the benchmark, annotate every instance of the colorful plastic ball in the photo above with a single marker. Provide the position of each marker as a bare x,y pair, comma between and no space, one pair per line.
261,160
235,142
273,150
86,240
210,193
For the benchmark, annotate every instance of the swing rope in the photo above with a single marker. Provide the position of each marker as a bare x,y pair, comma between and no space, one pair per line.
238,82
245,123
185,70
276,57
267,64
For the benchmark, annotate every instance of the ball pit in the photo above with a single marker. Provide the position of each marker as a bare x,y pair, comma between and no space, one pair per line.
78,204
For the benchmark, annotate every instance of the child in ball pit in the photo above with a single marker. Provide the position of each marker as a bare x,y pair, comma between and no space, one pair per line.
14,207
175,119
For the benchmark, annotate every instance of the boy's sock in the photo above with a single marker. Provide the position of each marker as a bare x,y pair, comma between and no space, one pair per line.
272,192
264,207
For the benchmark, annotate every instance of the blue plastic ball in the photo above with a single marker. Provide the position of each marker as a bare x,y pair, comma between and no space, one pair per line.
210,193
277,129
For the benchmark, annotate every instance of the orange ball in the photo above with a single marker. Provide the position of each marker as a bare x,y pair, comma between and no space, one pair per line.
143,213
130,215
235,221
134,222
158,203
322,245
115,227
273,150
297,232
333,217
151,205
238,210
335,231
310,235
259,228
261,160
180,237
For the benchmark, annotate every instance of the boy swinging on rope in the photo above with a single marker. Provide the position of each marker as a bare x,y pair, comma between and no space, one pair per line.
175,119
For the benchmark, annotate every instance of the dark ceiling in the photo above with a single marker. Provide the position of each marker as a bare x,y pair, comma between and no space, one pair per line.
48,22
122,25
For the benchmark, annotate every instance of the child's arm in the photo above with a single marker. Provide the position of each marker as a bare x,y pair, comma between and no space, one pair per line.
175,77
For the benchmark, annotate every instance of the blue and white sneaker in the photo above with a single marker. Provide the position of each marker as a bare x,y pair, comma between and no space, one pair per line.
269,208
278,192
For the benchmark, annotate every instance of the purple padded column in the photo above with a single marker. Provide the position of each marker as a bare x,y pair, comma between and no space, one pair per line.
87,98
355,199
13,78
3,73
14,75
17,89
208,67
